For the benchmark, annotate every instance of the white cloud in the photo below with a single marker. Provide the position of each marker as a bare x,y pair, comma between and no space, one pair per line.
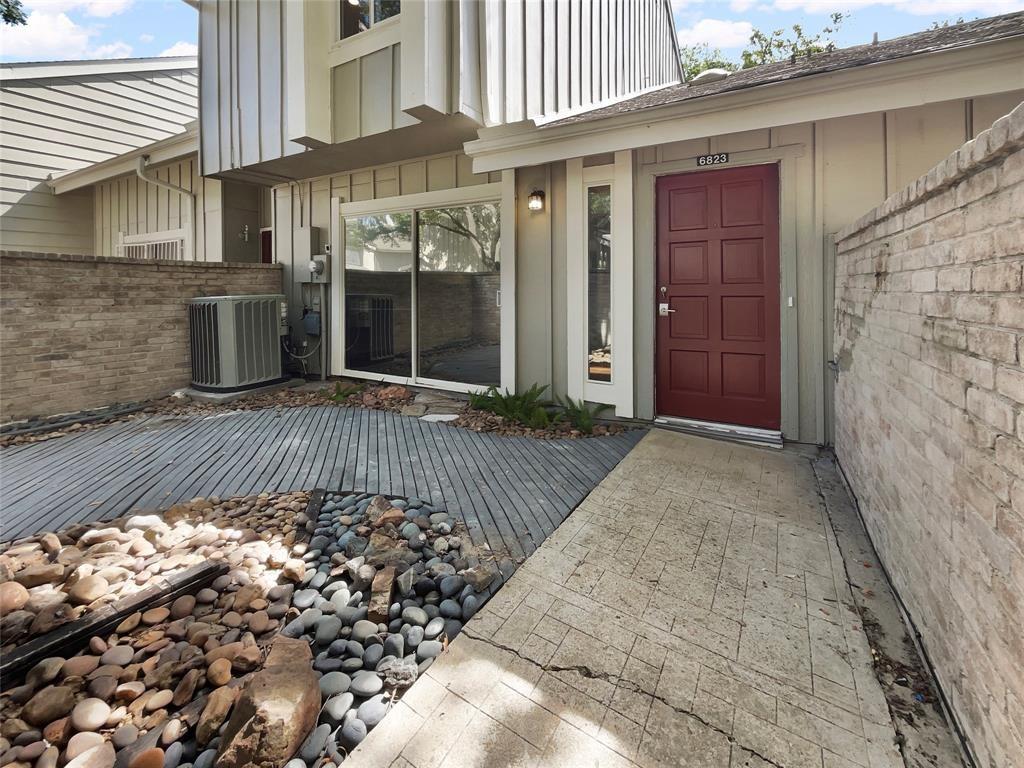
181,48
717,33
741,6
916,7
52,35
46,36
118,50
146,38
99,8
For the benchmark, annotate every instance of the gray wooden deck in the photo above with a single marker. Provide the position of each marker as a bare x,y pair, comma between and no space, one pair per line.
511,492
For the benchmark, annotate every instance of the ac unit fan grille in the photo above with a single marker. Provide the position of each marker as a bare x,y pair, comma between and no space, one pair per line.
234,341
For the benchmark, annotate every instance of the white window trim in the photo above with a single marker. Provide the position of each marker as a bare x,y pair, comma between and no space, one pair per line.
502,192
379,36
619,175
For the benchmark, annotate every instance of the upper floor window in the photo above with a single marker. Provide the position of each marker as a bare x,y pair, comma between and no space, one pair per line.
359,15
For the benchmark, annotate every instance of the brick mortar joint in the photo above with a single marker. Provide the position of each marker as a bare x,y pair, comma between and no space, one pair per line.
72,258
922,189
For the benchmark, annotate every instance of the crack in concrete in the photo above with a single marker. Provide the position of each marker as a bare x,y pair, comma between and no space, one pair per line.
617,681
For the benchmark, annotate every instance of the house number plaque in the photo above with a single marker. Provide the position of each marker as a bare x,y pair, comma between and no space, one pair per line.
716,159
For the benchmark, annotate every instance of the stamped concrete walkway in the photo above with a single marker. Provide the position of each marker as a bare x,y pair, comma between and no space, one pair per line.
693,611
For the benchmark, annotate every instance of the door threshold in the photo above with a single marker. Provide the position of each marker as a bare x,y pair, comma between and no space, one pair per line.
771,438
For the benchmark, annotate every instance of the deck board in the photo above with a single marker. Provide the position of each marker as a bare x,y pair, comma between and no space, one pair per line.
510,492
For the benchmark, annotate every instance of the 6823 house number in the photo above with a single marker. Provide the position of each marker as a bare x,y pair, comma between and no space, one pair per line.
716,159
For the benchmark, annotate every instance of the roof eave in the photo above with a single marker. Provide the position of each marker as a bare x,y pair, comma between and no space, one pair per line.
167,150
37,69
988,67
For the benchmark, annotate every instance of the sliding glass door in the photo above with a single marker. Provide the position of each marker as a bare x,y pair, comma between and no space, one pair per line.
458,294
379,269
423,295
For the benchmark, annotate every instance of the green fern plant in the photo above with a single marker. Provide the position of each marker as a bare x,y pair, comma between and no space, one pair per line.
343,390
580,415
529,408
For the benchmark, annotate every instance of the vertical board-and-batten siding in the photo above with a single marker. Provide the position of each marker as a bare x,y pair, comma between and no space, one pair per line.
550,57
132,206
308,203
62,119
511,60
848,166
243,88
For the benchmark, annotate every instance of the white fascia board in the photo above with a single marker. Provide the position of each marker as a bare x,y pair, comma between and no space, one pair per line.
164,151
913,81
40,69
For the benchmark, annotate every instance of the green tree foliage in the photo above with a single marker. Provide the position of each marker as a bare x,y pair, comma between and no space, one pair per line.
779,44
11,12
697,58
763,48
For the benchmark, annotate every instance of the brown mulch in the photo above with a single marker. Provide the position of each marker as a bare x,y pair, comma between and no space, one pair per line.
482,421
383,397
389,397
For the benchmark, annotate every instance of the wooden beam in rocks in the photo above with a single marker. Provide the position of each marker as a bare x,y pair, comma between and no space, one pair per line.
73,636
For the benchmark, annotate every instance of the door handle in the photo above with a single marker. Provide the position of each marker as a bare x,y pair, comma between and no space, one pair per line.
663,309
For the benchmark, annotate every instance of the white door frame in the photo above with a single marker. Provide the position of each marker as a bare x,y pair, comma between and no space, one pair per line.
619,175
646,268
502,192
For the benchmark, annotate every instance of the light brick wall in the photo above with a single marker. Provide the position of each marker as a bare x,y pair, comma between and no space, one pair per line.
930,342
80,332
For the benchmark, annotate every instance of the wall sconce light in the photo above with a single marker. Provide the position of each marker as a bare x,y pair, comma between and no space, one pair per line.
536,200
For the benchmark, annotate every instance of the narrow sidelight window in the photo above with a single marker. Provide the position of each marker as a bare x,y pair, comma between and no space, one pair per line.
599,289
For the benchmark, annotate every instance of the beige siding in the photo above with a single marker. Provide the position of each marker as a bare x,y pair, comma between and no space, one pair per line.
243,85
365,96
308,203
128,205
540,59
70,119
846,167
275,75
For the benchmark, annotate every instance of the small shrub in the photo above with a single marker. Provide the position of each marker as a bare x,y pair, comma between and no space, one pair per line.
528,408
582,416
344,390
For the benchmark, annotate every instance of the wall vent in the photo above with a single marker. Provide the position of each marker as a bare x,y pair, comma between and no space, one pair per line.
235,341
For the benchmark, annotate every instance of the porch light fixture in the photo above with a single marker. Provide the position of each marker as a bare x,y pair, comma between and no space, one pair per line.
536,200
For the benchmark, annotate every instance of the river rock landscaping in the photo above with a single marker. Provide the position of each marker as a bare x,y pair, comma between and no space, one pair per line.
323,612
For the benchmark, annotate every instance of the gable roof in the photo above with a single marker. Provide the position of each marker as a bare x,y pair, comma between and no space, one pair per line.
930,41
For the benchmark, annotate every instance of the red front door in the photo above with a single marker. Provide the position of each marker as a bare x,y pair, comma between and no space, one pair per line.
718,355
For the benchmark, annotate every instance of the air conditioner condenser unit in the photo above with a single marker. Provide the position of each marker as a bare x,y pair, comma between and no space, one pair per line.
235,341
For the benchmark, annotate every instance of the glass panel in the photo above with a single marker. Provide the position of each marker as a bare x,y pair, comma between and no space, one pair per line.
385,9
599,287
378,294
355,17
459,294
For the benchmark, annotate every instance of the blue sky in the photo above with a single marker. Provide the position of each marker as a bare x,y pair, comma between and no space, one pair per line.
100,29
727,24
92,29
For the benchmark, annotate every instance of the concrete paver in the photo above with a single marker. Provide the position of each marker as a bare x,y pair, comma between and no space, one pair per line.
693,611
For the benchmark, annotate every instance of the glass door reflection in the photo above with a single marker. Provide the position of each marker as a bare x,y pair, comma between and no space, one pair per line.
458,294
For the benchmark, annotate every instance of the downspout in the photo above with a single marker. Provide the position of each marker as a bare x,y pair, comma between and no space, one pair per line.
140,171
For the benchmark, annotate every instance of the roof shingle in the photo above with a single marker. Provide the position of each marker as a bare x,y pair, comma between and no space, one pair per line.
929,41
